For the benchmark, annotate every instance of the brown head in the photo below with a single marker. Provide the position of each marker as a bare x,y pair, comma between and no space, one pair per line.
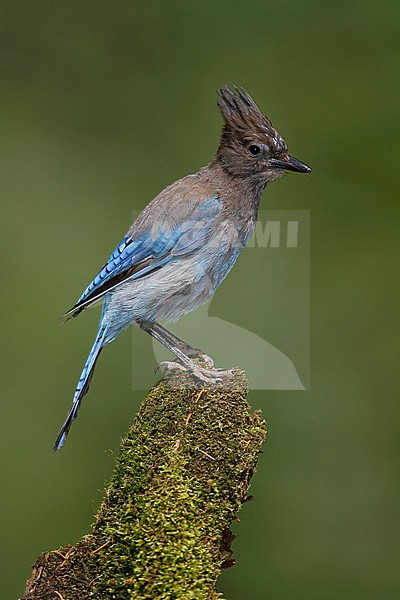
250,146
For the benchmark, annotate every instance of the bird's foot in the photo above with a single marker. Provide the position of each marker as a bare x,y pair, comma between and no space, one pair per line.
201,356
207,375
169,365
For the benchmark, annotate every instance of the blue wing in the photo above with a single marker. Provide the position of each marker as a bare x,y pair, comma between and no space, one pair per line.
144,252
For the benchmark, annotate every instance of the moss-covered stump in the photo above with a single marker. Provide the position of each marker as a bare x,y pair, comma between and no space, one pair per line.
162,531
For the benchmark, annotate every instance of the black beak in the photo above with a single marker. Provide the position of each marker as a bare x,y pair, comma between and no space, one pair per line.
293,164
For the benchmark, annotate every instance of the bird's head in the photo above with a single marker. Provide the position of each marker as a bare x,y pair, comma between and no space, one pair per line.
250,146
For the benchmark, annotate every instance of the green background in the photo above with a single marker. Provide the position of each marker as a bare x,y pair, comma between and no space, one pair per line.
102,105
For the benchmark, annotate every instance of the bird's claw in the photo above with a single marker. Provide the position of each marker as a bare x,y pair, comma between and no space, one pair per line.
199,355
206,359
169,366
207,375
213,375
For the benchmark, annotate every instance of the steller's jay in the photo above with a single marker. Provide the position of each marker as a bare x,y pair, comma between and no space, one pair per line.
185,242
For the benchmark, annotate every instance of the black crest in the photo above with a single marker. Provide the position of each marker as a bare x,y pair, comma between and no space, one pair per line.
243,117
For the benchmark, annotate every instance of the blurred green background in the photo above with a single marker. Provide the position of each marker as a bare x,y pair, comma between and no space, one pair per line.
102,105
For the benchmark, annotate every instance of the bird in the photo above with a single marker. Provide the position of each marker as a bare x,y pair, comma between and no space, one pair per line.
186,240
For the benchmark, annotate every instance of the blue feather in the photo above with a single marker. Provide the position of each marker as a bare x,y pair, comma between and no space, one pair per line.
83,386
154,249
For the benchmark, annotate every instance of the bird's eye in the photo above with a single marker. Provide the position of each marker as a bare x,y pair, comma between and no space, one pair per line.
254,150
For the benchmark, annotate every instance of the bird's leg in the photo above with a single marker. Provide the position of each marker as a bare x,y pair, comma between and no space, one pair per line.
186,363
186,348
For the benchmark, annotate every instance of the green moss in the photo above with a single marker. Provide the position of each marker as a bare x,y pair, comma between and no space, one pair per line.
162,531
182,474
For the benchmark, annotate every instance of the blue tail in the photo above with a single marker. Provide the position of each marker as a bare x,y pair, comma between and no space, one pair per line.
82,387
